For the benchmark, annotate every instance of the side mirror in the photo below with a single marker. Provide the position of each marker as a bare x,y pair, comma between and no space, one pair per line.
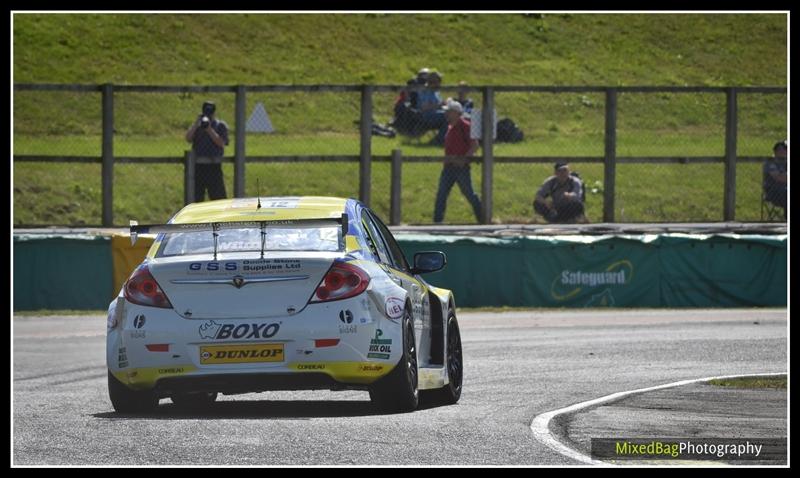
428,262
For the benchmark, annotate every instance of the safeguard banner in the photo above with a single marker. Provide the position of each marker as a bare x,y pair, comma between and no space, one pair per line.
669,270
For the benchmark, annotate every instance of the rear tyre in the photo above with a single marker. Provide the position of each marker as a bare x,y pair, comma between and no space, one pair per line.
450,393
126,400
199,401
398,391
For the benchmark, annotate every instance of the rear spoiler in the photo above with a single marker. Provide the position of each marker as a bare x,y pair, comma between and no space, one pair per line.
214,227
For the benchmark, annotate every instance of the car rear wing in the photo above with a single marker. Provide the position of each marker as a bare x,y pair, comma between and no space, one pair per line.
215,227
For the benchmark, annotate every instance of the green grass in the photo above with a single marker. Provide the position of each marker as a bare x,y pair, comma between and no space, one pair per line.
778,382
624,49
153,193
499,49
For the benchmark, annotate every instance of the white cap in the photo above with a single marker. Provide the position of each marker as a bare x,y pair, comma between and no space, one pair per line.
454,106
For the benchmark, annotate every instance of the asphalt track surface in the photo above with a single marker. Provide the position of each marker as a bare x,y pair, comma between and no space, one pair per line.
517,365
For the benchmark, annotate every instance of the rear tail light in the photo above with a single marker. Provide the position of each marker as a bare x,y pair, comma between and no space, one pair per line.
342,281
143,289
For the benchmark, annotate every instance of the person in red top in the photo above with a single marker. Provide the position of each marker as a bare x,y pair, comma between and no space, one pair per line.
458,148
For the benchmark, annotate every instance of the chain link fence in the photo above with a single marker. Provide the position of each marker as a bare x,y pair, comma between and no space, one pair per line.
670,125
554,128
57,124
294,125
762,123
403,122
301,141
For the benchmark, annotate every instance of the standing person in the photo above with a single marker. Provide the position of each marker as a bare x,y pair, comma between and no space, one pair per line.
775,179
208,136
458,148
566,193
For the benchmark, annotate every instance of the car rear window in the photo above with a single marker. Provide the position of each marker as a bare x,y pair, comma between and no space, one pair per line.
242,240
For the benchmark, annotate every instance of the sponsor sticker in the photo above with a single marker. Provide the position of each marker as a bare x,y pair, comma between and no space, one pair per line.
271,265
250,353
370,368
172,370
123,357
214,331
394,307
346,316
250,203
137,334
311,366
347,326
245,267
379,348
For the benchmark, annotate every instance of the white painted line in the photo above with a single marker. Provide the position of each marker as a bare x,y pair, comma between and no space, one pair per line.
540,426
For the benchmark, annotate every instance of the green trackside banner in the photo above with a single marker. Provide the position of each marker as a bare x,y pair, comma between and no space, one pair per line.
62,272
723,270
668,270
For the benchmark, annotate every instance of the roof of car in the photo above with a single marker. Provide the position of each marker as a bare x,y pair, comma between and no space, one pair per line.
272,208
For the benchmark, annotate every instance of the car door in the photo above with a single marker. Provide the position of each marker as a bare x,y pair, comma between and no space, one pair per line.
400,272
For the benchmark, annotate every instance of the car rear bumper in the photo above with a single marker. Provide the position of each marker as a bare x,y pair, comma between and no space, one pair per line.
347,344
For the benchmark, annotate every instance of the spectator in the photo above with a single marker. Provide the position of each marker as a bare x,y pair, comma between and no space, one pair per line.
429,102
462,98
566,194
407,119
458,148
208,136
775,179
412,96
422,75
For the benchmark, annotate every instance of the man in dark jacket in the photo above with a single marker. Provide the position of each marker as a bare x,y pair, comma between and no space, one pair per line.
208,136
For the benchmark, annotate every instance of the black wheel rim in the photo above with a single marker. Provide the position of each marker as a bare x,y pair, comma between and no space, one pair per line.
454,366
411,353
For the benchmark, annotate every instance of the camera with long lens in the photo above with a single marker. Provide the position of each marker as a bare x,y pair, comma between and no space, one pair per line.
208,110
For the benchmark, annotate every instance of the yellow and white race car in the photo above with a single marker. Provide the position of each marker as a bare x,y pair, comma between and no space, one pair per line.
281,293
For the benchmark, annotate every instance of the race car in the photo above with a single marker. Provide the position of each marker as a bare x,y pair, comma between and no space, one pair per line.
282,293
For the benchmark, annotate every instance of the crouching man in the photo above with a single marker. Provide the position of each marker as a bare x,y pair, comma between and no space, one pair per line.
560,199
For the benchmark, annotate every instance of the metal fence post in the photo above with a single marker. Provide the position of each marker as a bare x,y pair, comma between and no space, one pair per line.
487,137
729,206
610,164
395,214
188,177
365,164
108,155
239,154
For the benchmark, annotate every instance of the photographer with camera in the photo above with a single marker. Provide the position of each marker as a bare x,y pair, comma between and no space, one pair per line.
209,137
